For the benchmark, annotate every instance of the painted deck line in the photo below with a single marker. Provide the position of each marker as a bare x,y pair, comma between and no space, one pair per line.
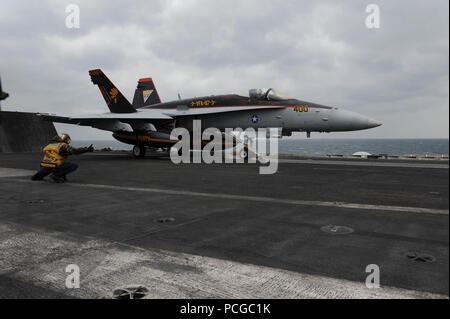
273,200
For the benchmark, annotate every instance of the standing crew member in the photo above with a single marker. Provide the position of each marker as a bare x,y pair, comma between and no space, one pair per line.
55,159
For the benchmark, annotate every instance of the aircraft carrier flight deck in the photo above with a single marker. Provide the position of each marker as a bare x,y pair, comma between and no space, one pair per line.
224,231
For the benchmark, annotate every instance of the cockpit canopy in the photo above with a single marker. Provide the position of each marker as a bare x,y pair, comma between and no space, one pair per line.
267,94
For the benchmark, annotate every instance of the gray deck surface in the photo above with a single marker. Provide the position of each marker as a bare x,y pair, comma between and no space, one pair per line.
225,213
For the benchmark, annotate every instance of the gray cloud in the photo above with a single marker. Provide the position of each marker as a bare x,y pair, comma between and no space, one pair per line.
316,51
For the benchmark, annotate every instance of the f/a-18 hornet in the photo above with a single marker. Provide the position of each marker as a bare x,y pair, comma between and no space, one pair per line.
148,121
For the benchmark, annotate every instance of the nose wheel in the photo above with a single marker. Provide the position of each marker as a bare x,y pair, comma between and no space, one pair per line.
138,151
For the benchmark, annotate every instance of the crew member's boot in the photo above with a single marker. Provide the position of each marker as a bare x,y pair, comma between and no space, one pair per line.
57,179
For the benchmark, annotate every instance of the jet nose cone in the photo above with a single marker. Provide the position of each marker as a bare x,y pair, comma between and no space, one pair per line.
342,120
373,123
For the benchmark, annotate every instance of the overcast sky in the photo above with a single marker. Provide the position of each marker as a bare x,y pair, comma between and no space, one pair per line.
318,51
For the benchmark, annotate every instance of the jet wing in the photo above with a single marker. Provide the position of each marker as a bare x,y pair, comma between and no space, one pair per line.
150,114
145,118
112,121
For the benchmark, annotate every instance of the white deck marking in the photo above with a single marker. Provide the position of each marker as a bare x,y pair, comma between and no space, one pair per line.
13,172
356,162
107,265
403,209
271,199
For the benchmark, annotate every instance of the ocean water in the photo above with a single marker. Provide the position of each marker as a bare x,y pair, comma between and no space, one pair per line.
373,146
328,146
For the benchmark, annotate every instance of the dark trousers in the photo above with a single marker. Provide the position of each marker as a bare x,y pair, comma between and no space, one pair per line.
65,169
60,171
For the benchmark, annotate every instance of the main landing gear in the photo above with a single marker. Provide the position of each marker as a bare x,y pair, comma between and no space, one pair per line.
138,151
244,153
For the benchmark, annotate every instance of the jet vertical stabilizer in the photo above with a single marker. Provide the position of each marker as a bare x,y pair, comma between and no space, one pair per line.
145,94
115,100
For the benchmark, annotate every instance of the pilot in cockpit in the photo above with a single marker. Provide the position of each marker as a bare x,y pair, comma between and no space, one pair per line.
267,94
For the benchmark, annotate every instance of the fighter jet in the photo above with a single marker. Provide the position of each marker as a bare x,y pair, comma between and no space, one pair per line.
147,122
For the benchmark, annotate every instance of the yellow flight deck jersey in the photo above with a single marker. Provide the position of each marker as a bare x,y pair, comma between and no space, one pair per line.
52,155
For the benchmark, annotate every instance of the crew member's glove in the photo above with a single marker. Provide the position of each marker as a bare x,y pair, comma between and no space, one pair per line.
90,148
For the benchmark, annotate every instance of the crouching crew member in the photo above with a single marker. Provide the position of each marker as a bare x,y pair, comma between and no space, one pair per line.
55,159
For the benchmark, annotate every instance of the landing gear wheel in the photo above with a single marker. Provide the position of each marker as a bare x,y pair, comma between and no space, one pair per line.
138,151
244,154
